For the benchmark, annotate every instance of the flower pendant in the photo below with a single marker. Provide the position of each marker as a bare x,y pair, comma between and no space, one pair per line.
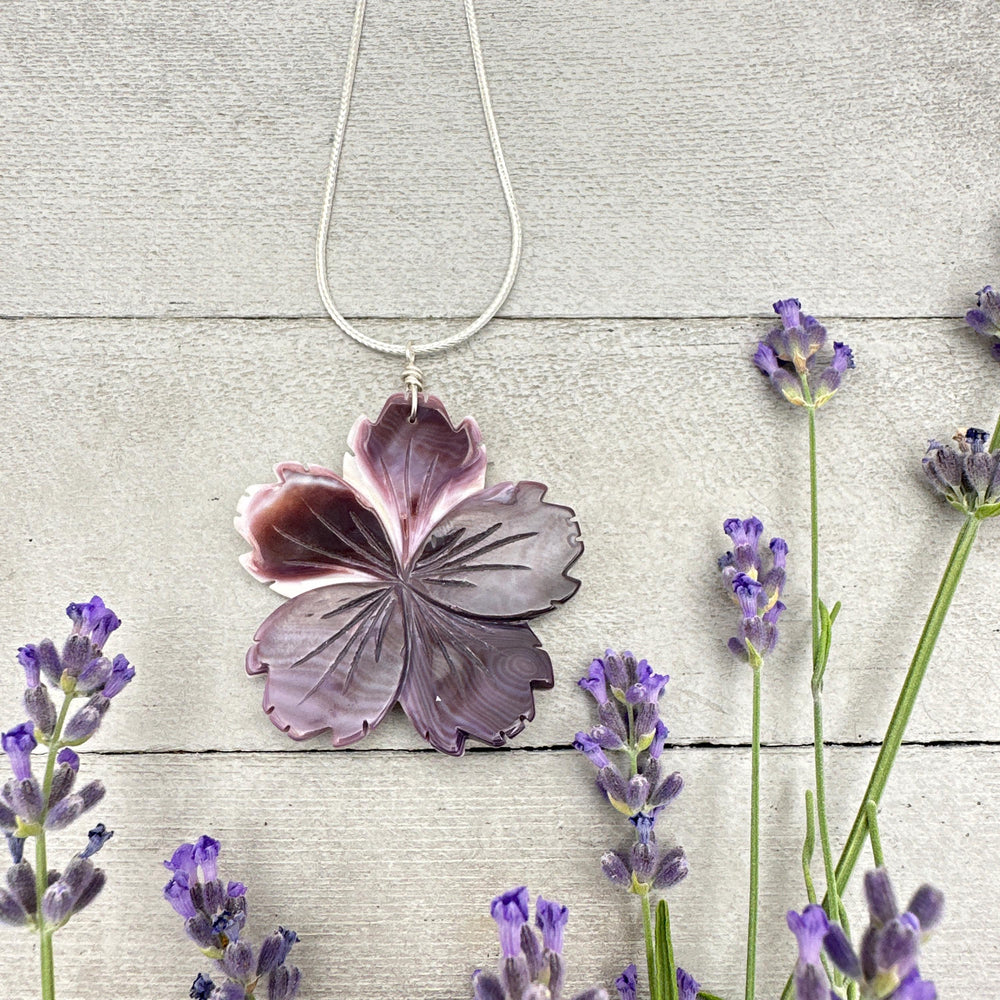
409,581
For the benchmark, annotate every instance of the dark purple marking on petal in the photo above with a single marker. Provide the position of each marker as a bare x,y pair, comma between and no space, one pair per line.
501,553
334,659
311,524
468,677
413,473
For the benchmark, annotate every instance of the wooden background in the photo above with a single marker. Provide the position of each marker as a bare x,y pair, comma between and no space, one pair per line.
679,166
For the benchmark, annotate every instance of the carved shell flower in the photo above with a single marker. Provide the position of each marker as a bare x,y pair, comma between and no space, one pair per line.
409,582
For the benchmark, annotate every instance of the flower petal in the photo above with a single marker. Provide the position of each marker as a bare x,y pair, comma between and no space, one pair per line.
413,473
334,660
310,529
501,553
468,677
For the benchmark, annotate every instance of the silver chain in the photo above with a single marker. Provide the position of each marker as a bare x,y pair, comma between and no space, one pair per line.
410,350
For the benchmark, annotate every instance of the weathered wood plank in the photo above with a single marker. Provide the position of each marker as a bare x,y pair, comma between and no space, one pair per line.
127,445
676,159
385,864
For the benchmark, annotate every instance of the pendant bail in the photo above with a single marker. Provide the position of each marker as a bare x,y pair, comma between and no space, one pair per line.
413,379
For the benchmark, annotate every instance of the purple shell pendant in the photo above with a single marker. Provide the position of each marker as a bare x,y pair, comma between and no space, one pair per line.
409,582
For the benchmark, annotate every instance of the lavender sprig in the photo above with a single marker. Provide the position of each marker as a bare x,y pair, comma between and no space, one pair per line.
214,915
627,692
37,898
530,969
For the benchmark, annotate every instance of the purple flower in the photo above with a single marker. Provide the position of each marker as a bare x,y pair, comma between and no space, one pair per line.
510,911
627,983
756,583
18,743
595,682
96,839
986,319
206,854
968,476
788,357
68,757
809,928
886,964
122,673
27,656
591,749
550,919
403,572
94,620
687,988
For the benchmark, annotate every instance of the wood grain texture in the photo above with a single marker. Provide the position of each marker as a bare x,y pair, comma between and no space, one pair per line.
385,865
683,159
129,443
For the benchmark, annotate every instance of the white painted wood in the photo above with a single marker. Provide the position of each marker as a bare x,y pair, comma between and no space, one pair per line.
685,159
129,444
385,865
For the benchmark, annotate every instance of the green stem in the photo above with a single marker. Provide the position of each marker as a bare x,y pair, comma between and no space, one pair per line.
808,846
871,818
814,532
904,704
753,904
832,901
647,927
907,698
665,952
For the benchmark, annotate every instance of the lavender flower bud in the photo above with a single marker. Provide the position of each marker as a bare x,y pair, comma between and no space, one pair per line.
202,987
11,912
613,785
643,823
21,882
96,839
645,723
230,990
610,716
93,620
606,739
83,725
673,869
551,918
18,743
206,854
839,950
615,673
215,895
636,793
48,661
591,749
237,961
881,899
178,895
927,905
121,675
26,798
643,861
69,758
627,983
514,976
532,950
64,812
198,927
27,656
91,794
91,890
667,790
659,740
283,983
94,675
486,986
595,682
57,904
510,911
42,712
557,977
687,988
615,868
63,778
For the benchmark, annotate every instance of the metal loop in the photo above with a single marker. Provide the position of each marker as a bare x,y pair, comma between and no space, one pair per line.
413,379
